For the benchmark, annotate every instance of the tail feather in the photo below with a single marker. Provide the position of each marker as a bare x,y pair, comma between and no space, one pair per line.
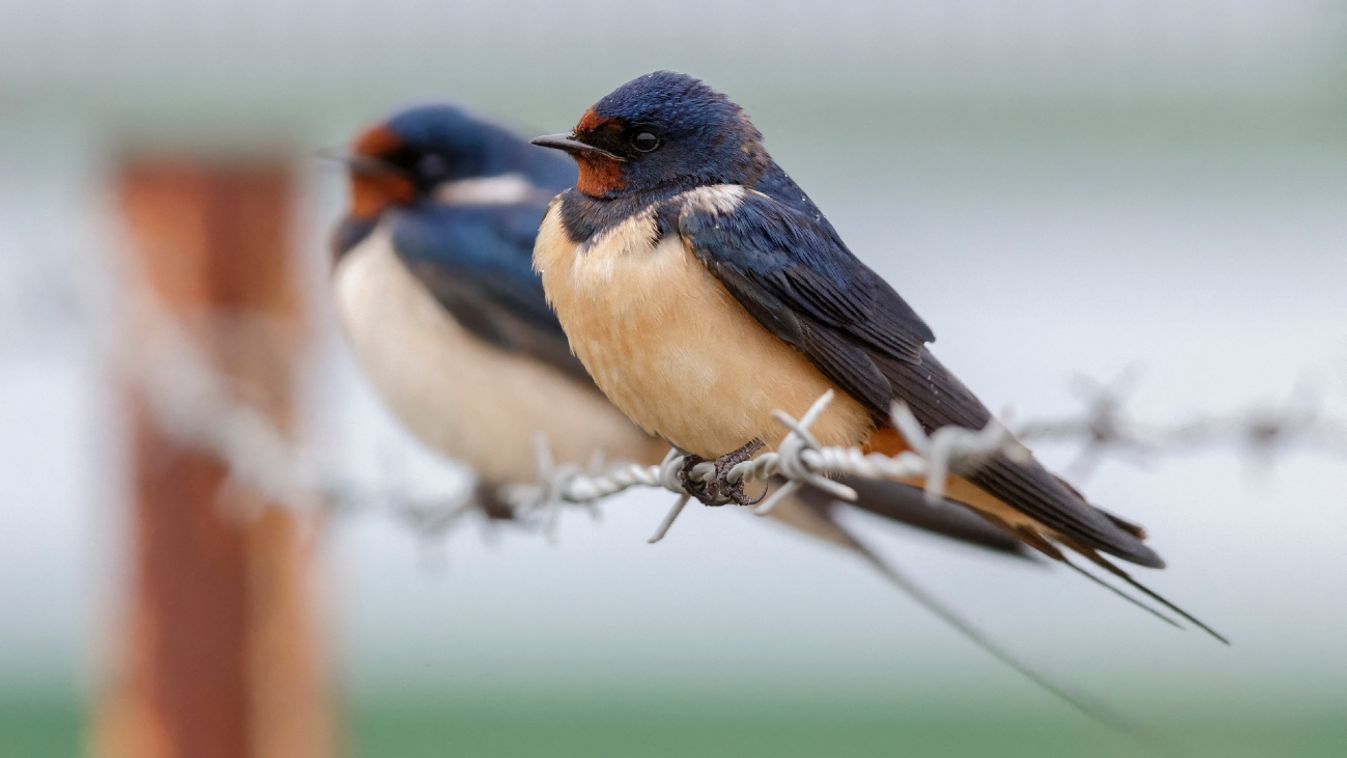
908,505
1120,593
1113,569
1086,705
1044,545
937,398
1131,527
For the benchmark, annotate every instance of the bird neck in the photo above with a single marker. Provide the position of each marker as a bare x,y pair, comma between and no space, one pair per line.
351,231
584,216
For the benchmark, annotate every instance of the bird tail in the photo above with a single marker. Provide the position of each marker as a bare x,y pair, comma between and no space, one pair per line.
926,599
908,505
998,513
1114,570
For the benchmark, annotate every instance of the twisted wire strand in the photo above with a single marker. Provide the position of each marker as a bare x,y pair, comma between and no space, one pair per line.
799,460
192,400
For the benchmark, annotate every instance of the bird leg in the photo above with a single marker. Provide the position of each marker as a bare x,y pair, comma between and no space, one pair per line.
720,491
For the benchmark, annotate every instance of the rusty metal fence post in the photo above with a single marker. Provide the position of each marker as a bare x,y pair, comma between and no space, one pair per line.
222,658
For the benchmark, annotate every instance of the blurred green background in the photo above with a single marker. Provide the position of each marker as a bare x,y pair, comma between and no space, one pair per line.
1058,188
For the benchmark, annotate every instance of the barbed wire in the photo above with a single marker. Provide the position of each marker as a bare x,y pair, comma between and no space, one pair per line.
1104,426
798,461
198,405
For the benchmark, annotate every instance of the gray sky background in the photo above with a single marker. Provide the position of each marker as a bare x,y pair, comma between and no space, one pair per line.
1057,191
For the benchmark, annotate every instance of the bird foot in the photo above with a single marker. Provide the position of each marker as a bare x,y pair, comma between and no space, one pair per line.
720,491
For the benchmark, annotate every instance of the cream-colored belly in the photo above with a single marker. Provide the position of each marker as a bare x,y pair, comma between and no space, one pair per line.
458,395
670,347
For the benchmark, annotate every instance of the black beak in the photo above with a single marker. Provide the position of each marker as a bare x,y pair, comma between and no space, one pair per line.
570,144
357,163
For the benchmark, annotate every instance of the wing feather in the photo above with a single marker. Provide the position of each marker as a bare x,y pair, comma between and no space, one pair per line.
797,278
477,263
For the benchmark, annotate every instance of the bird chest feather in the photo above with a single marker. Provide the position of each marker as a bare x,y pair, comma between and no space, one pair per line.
670,346
464,397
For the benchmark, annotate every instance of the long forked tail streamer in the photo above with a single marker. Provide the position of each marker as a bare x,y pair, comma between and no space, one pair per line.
1089,707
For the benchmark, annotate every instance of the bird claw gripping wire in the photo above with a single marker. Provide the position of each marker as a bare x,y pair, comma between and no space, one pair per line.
710,481
800,460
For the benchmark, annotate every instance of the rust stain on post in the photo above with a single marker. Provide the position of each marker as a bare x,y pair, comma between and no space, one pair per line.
221,659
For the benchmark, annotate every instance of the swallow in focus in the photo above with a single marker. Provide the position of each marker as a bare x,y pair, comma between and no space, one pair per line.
702,290
437,295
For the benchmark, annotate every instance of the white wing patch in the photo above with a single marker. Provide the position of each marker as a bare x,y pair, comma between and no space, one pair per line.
505,189
720,199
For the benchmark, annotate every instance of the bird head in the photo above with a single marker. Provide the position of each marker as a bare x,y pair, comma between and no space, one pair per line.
407,157
662,130
410,157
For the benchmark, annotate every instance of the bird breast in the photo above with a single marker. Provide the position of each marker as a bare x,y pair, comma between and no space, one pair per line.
459,395
671,347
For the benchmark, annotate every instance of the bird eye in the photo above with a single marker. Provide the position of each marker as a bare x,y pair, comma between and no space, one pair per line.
644,142
433,165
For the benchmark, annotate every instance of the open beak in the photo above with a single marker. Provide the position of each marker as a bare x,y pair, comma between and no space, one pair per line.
570,144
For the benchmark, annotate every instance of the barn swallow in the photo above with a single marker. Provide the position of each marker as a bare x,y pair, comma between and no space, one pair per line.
702,290
438,297
444,316
436,291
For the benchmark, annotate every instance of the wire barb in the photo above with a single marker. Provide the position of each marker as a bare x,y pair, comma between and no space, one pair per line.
192,399
798,461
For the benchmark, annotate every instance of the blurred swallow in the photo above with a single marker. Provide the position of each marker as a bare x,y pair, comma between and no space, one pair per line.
438,297
444,316
702,289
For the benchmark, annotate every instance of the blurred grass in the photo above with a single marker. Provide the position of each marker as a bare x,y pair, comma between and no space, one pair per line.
41,726
51,727
653,728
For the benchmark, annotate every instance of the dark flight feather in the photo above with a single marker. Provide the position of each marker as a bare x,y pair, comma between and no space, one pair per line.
1108,566
476,260
797,278
908,505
